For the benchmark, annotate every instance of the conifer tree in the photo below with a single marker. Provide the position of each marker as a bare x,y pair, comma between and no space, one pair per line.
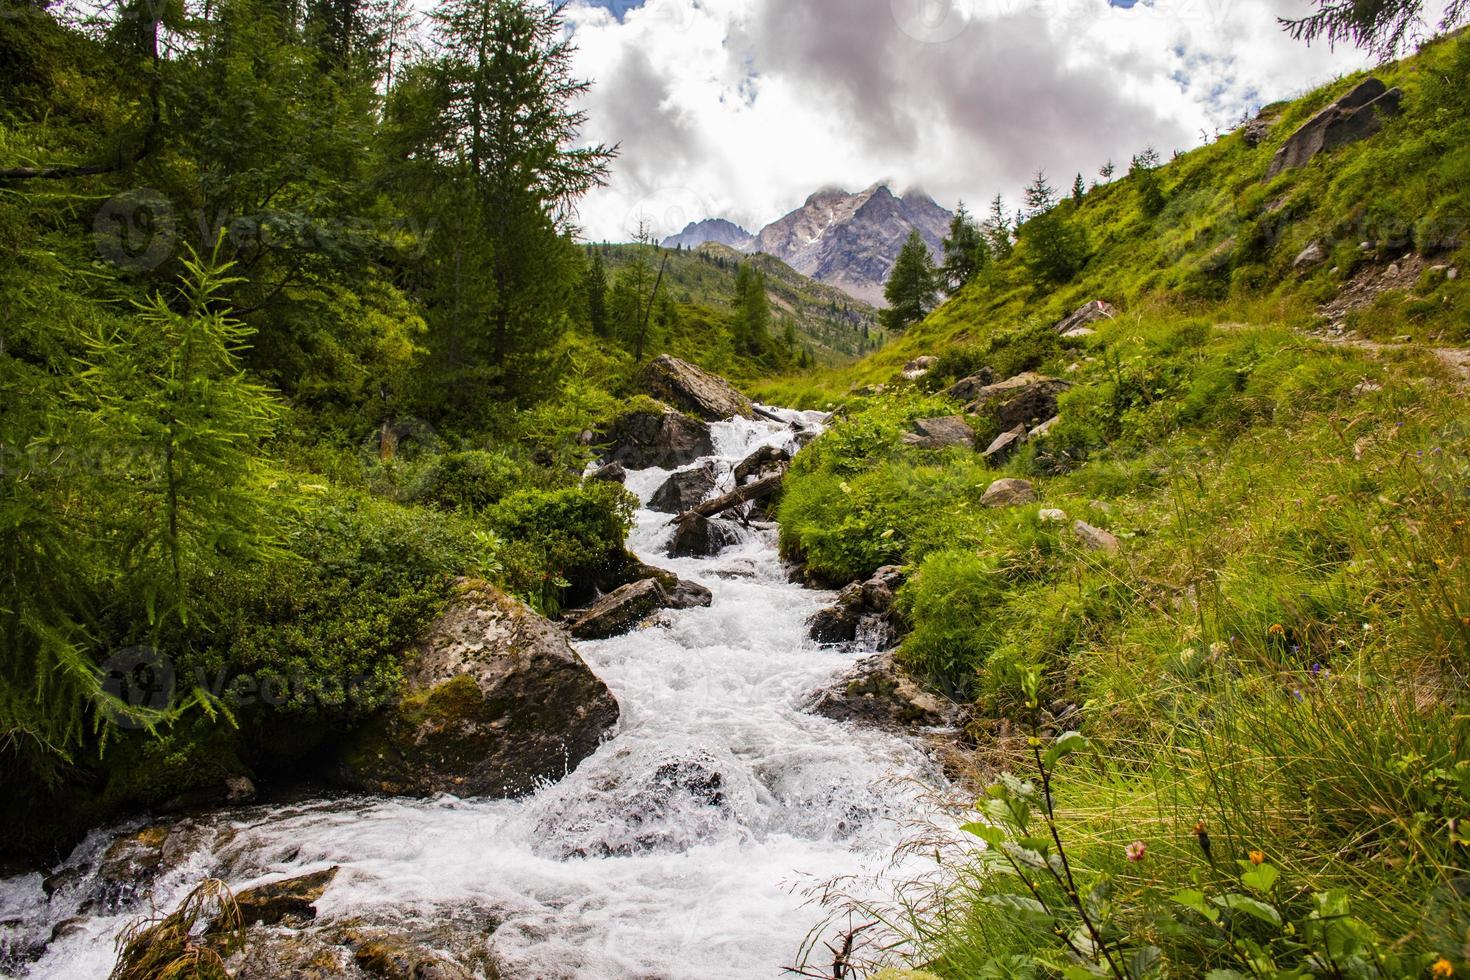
596,286
1144,171
912,289
998,230
1078,189
965,251
1054,245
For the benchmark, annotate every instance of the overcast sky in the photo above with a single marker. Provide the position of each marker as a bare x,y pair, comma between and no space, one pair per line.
741,108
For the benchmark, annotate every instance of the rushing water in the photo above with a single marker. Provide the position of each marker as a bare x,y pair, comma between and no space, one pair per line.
682,848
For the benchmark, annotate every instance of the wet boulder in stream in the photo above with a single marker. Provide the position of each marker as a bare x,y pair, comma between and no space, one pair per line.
666,439
624,608
495,701
877,691
864,610
684,489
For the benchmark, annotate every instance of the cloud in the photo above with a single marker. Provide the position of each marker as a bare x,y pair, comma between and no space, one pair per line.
741,108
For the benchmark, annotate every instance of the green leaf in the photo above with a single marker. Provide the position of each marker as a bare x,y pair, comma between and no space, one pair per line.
1250,906
1224,975
1065,745
1025,907
1194,899
990,834
1260,878
1145,962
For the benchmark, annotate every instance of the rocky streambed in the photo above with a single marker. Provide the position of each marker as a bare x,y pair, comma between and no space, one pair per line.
684,845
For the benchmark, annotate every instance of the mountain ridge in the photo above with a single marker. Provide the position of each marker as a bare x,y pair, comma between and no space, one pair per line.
844,239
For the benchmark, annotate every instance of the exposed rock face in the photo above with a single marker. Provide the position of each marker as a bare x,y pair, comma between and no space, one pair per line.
716,230
1008,493
1094,537
1024,400
967,389
1087,313
684,489
862,608
495,700
1005,444
665,439
851,240
294,898
692,390
763,462
876,691
1355,116
624,608
940,433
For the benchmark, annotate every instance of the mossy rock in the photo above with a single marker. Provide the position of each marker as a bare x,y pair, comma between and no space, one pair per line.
496,702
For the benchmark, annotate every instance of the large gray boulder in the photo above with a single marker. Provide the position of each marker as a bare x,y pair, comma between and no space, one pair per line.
1024,400
494,701
940,433
693,390
666,439
1355,116
1009,492
682,490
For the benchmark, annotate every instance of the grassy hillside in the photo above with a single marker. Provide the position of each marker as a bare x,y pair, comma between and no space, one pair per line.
833,326
1268,675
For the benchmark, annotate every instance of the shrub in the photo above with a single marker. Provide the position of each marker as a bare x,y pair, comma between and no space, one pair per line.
562,545
469,480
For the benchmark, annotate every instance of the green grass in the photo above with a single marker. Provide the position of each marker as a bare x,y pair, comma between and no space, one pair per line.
1282,643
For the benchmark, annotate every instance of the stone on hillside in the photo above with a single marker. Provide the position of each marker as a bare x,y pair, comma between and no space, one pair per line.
1051,515
684,489
1357,115
1313,254
876,691
1256,131
666,439
294,898
1005,445
1095,537
940,433
693,390
611,473
1084,315
919,367
966,389
494,701
1008,493
763,462
618,611
1022,400
1044,427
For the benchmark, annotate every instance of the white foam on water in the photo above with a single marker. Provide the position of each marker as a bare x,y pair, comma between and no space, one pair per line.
679,849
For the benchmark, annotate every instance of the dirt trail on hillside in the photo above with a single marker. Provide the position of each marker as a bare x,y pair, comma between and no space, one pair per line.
1456,360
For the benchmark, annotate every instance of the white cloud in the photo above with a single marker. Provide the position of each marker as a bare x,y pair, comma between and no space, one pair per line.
741,108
